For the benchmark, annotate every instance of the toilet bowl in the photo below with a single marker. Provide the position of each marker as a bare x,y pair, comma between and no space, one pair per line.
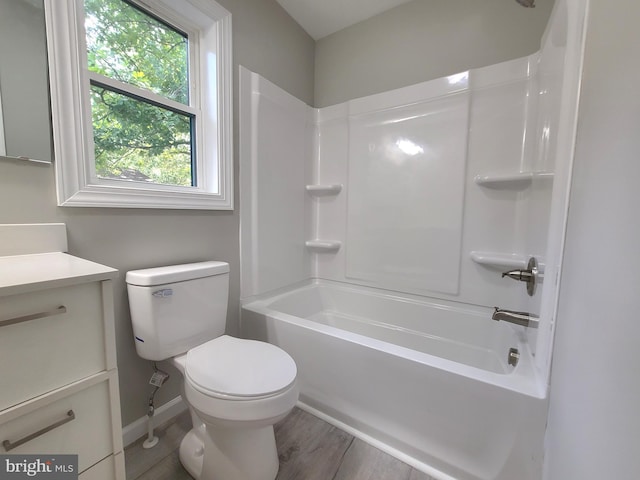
235,389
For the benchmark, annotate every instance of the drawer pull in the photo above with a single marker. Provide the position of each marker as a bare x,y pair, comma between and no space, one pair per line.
34,316
11,445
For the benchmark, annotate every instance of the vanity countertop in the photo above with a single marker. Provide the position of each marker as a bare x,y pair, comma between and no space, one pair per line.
27,273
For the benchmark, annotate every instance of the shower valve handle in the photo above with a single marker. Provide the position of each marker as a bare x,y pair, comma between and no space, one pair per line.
522,275
528,276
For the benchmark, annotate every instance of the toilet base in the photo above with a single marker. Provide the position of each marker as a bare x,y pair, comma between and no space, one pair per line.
192,451
230,453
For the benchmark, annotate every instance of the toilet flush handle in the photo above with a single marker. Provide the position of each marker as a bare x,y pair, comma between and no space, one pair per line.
165,292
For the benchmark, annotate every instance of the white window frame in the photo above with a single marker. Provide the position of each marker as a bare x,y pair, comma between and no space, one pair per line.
209,26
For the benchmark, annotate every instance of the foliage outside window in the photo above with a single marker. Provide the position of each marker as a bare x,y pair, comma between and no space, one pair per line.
134,139
155,134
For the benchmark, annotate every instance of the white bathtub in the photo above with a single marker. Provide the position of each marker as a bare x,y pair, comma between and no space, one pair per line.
427,382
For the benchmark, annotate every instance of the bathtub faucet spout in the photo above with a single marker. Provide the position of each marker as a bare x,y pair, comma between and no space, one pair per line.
519,318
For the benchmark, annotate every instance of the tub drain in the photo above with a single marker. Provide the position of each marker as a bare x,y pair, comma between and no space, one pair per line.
514,356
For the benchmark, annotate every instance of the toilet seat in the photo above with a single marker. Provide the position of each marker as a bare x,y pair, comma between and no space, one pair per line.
231,368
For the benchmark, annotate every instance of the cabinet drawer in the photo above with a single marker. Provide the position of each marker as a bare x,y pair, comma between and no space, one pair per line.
51,428
48,346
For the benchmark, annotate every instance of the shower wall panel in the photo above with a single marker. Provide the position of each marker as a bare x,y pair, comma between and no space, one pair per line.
275,152
411,212
406,194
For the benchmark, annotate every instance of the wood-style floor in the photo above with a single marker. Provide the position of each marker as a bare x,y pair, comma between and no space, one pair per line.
309,449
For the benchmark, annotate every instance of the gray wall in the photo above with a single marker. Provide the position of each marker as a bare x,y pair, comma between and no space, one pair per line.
266,40
594,420
422,40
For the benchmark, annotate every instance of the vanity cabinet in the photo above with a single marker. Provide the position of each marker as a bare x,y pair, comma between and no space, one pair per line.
58,376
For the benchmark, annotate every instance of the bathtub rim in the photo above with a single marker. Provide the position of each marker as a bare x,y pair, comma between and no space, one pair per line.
523,379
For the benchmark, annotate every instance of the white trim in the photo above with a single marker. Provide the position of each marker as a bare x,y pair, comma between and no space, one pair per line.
138,428
72,137
577,22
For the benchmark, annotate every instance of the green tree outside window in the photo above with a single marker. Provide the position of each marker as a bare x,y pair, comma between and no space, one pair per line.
138,139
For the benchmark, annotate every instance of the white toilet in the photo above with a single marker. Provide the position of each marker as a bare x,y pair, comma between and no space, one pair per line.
236,389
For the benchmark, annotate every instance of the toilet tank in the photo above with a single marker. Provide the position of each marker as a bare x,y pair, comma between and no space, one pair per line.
175,308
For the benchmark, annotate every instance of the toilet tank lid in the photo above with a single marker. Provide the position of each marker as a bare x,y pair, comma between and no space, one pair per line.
175,273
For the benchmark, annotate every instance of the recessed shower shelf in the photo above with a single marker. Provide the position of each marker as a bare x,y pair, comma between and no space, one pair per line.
323,190
512,181
500,260
323,245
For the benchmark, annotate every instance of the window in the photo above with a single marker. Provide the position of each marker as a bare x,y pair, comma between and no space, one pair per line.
143,128
149,86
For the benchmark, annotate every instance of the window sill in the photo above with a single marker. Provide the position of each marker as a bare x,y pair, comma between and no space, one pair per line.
122,197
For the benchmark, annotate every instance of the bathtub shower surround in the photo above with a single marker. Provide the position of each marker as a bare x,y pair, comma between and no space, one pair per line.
374,236
434,175
385,191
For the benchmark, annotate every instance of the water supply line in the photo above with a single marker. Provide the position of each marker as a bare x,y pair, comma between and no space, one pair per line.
157,380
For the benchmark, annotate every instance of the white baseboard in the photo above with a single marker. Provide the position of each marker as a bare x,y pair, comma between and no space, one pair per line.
139,428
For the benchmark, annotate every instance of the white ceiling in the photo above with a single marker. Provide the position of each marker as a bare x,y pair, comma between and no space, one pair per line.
324,17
